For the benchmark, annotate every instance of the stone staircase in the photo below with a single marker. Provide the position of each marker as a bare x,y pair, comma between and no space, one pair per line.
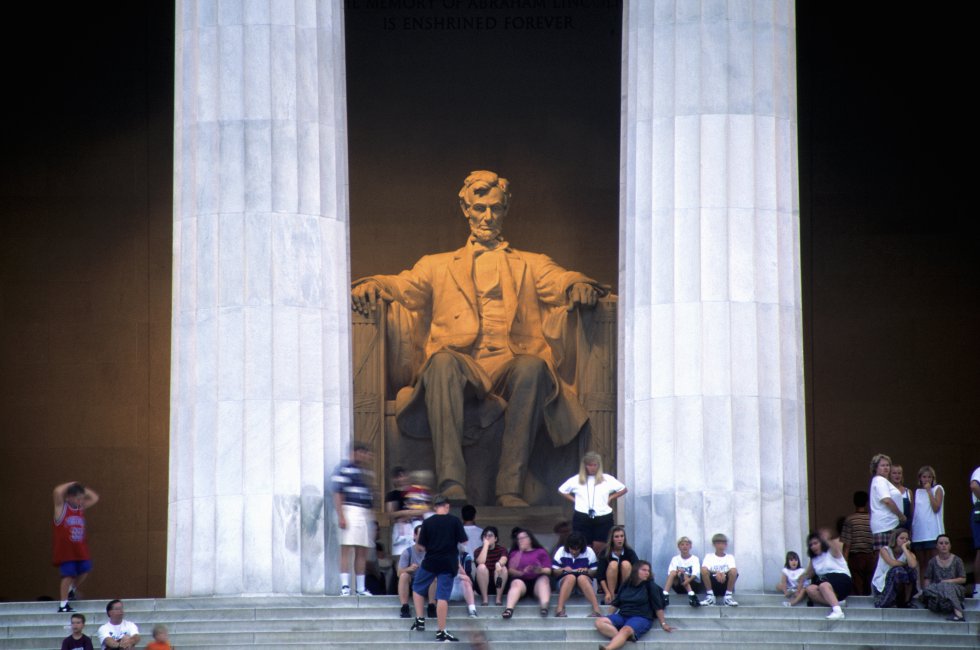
274,622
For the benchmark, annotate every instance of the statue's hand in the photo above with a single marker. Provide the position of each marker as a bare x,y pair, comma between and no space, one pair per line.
582,293
364,297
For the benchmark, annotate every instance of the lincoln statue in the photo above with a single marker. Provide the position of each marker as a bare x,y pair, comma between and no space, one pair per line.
494,317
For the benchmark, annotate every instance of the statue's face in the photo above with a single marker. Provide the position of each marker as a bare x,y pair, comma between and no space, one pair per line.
486,214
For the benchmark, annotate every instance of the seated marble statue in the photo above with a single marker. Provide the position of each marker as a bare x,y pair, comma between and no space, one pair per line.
494,317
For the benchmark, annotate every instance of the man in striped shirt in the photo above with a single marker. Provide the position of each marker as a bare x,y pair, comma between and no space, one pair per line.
353,499
859,545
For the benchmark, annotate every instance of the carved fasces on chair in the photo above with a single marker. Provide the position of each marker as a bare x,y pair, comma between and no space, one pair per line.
368,347
595,375
387,354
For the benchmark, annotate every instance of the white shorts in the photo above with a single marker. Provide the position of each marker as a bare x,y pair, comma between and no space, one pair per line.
358,531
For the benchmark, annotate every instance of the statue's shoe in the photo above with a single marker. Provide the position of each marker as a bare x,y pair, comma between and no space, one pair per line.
455,493
511,501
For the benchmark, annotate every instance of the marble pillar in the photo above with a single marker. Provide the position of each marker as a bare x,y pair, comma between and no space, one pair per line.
712,387
261,397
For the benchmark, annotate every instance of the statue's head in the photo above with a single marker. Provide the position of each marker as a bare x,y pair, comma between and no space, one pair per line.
484,199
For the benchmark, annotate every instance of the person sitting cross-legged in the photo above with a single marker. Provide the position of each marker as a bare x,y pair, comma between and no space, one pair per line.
574,565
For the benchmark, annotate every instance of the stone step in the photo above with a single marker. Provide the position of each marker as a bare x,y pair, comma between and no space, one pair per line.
330,621
934,624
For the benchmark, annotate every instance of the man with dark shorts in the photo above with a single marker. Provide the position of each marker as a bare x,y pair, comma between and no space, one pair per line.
441,535
70,547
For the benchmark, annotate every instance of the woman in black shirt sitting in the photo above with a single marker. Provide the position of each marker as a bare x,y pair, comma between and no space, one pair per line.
638,602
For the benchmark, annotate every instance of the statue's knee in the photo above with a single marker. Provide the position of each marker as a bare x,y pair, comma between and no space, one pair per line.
442,360
529,368
530,362
441,364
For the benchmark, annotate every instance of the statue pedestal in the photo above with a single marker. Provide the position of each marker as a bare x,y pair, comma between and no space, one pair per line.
540,520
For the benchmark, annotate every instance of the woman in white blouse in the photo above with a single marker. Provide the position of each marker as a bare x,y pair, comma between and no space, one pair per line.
830,578
927,517
592,491
883,505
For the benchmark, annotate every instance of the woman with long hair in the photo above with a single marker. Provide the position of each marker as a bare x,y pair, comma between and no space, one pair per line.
615,563
637,604
927,517
896,574
592,491
529,568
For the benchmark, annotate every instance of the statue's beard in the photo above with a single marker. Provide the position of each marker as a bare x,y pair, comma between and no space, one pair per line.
486,233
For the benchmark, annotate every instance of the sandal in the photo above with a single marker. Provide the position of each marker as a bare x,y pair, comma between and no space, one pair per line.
595,614
544,612
560,613
508,613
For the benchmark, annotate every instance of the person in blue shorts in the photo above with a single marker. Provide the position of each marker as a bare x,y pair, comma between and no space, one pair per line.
638,602
441,534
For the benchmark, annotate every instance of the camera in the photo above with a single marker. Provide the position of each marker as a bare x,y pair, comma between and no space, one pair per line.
591,513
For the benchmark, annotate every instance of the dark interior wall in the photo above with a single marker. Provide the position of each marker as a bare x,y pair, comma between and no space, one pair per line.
533,94
891,276
890,281
85,238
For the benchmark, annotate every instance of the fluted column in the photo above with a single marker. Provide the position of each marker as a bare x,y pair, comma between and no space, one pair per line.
260,404
712,380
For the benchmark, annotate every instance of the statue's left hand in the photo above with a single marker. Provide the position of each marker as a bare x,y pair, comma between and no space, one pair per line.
582,293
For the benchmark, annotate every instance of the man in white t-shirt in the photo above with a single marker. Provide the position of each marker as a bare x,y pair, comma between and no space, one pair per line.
684,574
718,570
118,632
975,527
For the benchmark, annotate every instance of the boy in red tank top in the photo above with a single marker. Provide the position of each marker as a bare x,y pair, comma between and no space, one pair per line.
68,537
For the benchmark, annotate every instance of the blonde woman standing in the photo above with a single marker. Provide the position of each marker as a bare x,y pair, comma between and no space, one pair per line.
593,492
885,512
927,516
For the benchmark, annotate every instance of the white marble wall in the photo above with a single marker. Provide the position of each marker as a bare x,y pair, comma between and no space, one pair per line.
260,404
712,419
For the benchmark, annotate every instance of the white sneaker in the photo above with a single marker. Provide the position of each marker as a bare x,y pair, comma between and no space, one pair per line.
345,591
362,593
835,616
709,600
842,603
730,600
786,603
